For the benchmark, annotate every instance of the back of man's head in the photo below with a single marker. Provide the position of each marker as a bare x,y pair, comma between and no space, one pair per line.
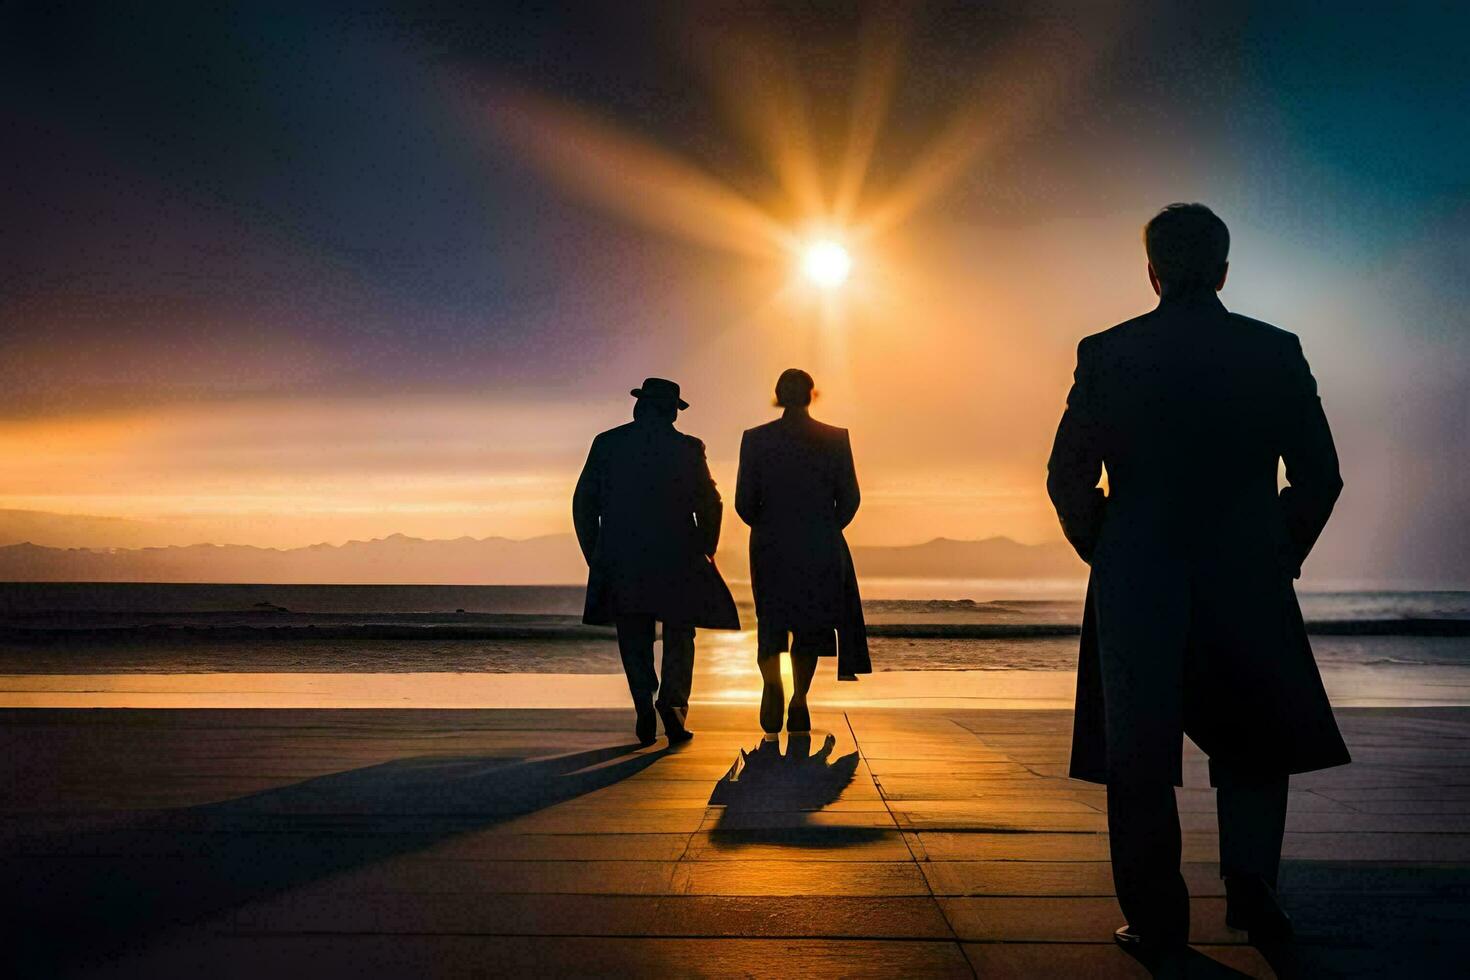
1188,246
794,388
656,410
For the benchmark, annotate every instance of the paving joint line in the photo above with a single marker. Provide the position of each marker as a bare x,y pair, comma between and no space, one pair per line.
928,887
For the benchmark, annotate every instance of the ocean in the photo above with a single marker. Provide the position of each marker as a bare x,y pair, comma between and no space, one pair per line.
101,628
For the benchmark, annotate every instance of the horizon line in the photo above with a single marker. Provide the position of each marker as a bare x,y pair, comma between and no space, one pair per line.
399,535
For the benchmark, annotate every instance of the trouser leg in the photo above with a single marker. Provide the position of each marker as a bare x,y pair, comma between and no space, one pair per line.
803,669
1252,815
635,645
770,668
773,706
1143,828
678,673
806,647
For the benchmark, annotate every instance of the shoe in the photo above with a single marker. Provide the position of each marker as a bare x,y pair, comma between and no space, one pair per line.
646,727
1251,905
771,709
798,718
1139,944
674,723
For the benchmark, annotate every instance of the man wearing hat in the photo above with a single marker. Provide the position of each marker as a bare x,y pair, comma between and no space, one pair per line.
647,516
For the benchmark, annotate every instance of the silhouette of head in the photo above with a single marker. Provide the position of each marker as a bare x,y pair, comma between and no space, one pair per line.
794,389
658,400
1188,249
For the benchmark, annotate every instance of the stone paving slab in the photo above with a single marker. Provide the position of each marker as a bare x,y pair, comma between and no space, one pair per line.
251,957
791,877
415,875
1077,878
1067,919
950,846
962,786
798,844
864,819
919,817
564,847
442,913
1098,961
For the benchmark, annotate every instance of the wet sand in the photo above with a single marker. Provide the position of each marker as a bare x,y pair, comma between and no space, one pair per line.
725,673
949,689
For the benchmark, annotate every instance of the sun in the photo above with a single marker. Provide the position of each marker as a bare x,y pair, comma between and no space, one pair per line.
826,263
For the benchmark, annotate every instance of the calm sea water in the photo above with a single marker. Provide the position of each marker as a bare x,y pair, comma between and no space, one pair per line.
149,628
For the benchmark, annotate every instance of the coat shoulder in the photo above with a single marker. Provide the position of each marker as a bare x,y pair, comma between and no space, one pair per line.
832,436
1264,333
692,443
763,430
761,435
1116,334
614,434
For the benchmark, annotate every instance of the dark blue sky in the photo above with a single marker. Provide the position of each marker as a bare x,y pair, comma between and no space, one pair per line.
298,164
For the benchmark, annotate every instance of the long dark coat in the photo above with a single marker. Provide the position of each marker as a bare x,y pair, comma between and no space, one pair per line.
797,489
1192,623
647,516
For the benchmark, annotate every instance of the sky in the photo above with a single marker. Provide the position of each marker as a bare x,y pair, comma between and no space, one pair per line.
282,274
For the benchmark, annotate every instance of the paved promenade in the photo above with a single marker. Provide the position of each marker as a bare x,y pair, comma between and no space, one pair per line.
286,843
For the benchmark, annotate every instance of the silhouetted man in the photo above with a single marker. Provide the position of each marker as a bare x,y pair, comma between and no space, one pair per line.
797,489
1191,623
647,516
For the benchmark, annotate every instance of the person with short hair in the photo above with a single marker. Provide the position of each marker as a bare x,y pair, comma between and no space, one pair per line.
647,516
797,489
1191,624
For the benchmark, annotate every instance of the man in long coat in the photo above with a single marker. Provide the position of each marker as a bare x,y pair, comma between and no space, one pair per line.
1191,623
797,489
647,516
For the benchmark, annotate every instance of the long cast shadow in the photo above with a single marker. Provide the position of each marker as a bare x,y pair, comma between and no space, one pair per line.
1359,918
1374,918
78,898
765,782
1188,962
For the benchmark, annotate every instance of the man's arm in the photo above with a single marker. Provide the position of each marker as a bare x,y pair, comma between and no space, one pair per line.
708,508
587,502
1076,464
747,485
1311,460
848,494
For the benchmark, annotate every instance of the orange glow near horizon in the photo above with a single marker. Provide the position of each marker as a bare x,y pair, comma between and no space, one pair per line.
290,473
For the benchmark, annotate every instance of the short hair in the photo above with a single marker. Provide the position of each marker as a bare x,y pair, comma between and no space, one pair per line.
794,388
1187,244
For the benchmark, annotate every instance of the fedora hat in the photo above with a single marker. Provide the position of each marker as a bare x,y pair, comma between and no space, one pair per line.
659,388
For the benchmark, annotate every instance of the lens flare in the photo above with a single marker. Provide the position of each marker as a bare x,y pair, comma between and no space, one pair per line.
826,263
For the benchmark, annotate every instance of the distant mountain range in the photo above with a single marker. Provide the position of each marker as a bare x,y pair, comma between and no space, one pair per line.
552,559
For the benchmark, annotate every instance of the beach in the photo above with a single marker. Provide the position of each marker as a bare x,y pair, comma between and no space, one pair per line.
935,644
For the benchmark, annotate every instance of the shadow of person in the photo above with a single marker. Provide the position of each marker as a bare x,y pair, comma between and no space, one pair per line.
765,779
1373,918
1188,962
78,897
769,796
